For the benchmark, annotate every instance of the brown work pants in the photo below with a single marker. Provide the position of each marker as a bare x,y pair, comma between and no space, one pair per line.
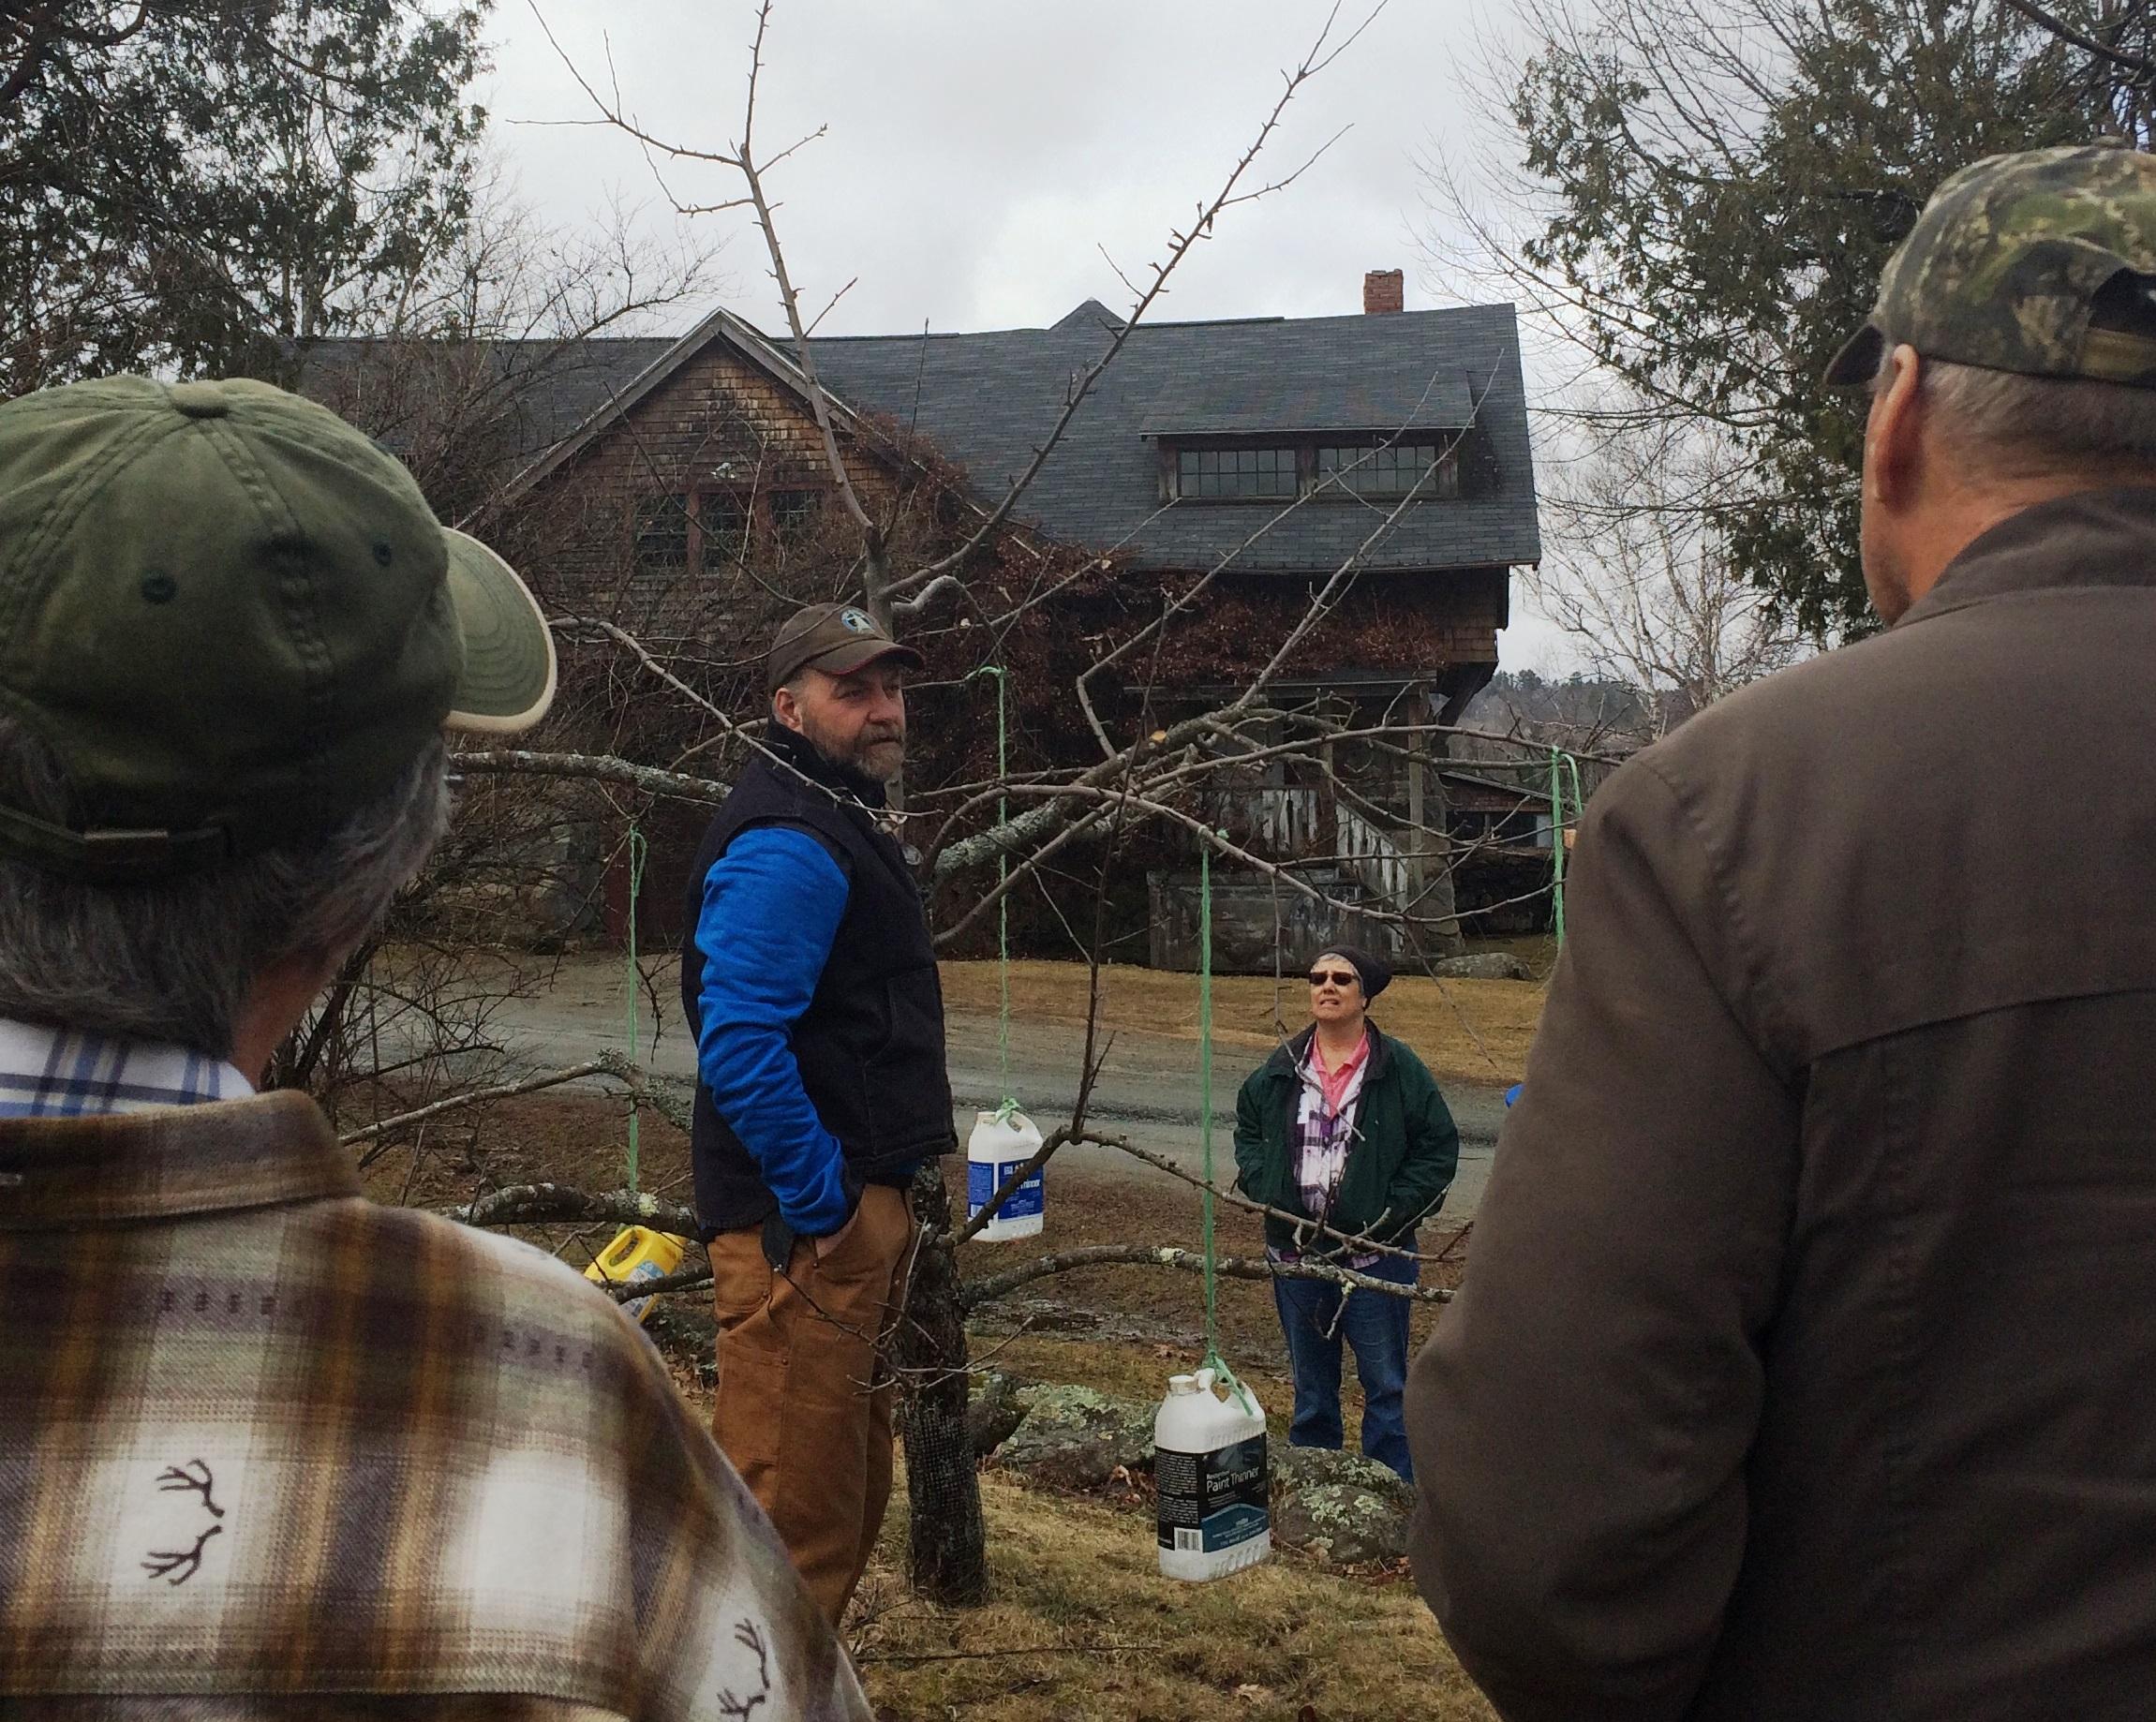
805,1387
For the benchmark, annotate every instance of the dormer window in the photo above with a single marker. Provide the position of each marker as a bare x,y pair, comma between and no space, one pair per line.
1334,468
1236,473
713,531
1391,470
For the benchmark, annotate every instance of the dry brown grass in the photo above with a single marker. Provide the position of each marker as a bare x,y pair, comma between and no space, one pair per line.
1073,1576
1079,1625
1073,1579
1469,1031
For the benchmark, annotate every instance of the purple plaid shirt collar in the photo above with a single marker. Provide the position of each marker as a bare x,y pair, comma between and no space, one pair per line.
47,1072
1324,1138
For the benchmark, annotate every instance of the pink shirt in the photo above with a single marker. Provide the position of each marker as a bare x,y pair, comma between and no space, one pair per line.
1336,1081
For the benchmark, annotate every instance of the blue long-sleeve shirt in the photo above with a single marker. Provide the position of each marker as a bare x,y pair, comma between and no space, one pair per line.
771,908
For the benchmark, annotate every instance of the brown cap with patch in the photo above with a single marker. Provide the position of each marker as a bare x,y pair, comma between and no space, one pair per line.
837,639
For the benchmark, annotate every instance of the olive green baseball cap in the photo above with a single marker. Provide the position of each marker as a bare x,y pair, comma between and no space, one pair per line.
2041,263
235,620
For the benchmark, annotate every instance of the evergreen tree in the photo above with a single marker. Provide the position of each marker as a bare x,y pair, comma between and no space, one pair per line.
1717,184
197,185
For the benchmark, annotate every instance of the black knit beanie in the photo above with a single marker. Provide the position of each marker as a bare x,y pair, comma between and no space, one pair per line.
1372,972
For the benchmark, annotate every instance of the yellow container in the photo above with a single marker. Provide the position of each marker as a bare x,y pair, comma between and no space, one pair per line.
638,1254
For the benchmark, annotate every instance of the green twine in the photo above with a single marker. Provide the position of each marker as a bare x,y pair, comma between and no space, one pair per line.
1010,1103
1213,1360
1561,762
1205,1086
637,850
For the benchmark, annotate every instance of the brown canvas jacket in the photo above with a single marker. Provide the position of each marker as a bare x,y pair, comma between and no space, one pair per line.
1806,1365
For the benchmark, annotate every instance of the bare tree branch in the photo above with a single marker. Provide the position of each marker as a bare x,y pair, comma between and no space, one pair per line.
978,1292
2087,44
548,1203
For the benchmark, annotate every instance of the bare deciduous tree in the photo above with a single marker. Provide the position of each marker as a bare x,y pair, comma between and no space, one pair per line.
672,700
1637,569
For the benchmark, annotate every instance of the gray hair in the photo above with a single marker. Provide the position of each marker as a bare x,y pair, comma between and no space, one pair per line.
2008,425
174,959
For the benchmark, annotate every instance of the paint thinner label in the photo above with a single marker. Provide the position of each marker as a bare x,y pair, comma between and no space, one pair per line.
985,1177
1212,1501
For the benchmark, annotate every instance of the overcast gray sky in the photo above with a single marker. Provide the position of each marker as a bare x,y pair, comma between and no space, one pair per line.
981,155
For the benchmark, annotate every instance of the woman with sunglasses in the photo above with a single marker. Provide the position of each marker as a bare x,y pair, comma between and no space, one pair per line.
1343,1129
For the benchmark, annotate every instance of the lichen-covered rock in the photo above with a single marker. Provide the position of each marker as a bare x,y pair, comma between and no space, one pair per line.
1482,966
1076,1438
1339,1505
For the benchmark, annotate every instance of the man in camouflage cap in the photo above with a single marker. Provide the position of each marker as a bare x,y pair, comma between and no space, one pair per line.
1802,1367
2036,264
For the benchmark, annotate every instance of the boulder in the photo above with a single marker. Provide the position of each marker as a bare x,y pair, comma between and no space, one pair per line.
1338,1505
1482,966
1076,1438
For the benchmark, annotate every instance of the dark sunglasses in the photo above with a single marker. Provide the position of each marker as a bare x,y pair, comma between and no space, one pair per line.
1339,977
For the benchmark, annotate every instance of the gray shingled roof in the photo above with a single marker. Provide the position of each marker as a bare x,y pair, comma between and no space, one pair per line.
567,386
988,400
541,392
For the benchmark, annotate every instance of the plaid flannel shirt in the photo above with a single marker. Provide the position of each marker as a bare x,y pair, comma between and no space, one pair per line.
1325,1133
63,1072
269,1450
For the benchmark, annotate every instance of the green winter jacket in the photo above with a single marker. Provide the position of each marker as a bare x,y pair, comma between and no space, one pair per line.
1405,1151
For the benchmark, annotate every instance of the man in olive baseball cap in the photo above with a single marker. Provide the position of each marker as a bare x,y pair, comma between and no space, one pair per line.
233,620
1816,1259
2041,263
263,1438
2011,355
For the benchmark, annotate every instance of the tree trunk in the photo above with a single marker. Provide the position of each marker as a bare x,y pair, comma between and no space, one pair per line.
947,1552
1436,907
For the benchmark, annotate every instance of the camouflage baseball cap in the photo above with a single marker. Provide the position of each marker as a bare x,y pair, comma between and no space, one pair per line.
2041,263
235,621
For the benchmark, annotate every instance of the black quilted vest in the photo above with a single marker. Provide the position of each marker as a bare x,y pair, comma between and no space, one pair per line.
870,1044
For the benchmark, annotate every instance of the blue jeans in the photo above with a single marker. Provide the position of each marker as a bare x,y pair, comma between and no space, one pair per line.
1376,1325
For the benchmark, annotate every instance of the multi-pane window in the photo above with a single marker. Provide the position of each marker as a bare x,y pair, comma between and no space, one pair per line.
662,536
1340,470
1234,472
723,520
708,532
1392,471
793,512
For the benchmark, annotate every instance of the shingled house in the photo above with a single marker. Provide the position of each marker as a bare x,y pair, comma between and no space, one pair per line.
1268,448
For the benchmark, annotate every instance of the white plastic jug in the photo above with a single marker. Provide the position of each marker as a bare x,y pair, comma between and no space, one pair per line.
1209,1461
997,1148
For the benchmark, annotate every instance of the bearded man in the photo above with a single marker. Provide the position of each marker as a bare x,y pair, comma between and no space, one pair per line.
809,983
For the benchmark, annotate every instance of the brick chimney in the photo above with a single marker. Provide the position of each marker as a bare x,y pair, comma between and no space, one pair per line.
1384,290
